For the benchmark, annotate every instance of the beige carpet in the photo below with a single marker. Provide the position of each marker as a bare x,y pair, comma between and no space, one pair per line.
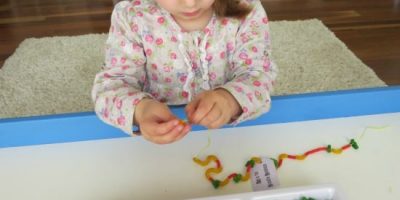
55,74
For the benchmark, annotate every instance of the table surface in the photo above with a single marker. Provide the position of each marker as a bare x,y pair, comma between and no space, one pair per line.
38,160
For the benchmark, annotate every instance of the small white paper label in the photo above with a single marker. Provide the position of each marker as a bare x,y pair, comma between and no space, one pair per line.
264,176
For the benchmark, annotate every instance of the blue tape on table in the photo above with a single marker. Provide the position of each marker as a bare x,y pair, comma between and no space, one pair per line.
86,126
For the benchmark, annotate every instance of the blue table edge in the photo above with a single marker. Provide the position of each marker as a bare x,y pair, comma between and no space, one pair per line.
83,126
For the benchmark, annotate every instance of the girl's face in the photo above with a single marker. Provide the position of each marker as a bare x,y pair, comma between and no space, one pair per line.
186,9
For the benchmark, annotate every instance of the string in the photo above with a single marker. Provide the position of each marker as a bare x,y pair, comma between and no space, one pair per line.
206,146
377,128
184,122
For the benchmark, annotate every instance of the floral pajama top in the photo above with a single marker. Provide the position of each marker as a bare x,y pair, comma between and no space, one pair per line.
149,55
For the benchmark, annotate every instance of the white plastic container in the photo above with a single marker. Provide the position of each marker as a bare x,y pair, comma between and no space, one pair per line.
317,192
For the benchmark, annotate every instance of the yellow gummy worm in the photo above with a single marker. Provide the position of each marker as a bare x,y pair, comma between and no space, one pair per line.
283,156
301,157
225,182
182,122
337,151
212,171
245,177
256,159
206,161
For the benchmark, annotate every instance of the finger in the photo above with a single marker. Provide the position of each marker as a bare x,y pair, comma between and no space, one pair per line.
219,122
169,137
191,107
184,132
165,127
164,114
214,114
146,136
147,130
202,110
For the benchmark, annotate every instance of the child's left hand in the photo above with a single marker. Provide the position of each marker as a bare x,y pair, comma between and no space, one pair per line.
213,109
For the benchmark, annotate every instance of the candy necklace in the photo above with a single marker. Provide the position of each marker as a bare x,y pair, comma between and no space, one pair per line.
237,177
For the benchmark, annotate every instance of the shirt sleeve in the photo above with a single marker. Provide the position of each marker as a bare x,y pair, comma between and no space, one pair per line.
118,87
252,72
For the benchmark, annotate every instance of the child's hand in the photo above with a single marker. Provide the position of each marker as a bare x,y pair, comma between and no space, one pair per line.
213,109
157,123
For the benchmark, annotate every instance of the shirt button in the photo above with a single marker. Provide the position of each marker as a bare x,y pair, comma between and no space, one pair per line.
205,85
255,73
178,66
205,77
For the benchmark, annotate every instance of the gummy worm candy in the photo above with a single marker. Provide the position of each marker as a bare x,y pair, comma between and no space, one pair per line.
305,198
237,177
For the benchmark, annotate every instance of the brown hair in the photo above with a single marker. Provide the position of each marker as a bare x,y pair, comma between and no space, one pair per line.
231,8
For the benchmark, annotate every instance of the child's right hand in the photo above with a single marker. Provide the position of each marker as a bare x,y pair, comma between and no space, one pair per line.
157,123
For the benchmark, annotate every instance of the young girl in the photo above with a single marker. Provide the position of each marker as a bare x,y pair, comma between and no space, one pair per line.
213,55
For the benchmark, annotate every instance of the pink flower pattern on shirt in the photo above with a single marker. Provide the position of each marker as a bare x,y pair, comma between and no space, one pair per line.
149,55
